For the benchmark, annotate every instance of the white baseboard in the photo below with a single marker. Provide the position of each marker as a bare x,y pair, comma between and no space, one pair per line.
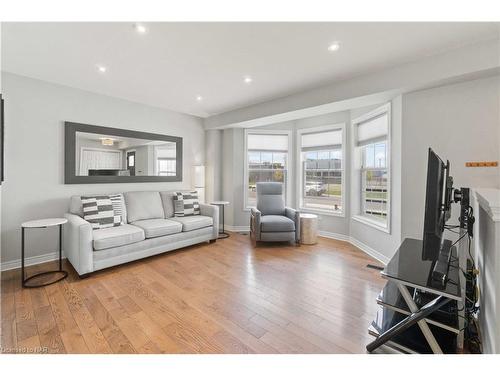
333,236
236,228
370,251
360,245
31,261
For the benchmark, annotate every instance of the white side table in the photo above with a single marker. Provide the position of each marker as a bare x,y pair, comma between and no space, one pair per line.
308,229
43,223
222,234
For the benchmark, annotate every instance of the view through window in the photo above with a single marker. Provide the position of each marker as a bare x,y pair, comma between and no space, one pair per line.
322,170
267,156
374,181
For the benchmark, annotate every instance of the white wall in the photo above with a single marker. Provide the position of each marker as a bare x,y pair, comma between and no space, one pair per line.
460,122
34,186
213,165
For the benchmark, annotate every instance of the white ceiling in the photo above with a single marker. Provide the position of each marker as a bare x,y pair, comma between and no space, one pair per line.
174,62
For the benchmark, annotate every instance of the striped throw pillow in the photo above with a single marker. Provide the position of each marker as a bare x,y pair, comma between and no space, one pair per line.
186,204
116,201
98,211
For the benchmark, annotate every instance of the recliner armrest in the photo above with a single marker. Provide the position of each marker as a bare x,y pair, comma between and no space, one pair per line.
294,215
213,212
255,215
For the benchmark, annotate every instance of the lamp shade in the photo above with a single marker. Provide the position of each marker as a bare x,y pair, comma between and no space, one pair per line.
199,176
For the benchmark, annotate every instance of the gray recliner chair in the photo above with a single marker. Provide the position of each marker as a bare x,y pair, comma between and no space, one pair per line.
271,220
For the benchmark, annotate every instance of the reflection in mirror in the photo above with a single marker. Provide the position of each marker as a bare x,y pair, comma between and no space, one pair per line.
109,155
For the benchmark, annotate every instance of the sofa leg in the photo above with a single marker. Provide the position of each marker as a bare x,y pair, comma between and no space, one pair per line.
85,275
212,241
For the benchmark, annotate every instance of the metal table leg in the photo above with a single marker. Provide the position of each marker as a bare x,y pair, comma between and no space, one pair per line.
414,318
424,327
223,234
62,274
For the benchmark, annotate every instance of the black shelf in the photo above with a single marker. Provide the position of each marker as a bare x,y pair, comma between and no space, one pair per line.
445,318
409,268
412,341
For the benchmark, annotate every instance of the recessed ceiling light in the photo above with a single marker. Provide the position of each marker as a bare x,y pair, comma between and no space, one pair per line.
247,79
335,46
140,28
101,68
199,98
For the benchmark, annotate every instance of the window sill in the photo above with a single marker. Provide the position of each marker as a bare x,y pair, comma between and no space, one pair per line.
372,223
321,212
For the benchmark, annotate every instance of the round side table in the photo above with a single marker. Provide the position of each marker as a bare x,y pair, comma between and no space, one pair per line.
308,229
43,223
222,234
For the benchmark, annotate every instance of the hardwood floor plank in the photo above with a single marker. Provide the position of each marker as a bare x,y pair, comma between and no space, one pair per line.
8,334
48,332
25,317
74,342
90,331
116,339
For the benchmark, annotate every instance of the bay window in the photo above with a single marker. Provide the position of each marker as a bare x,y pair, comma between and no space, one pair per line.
321,169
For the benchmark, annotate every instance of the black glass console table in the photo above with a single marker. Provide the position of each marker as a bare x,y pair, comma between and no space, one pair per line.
417,314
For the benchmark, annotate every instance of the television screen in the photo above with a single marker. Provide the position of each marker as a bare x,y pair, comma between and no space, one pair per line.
435,206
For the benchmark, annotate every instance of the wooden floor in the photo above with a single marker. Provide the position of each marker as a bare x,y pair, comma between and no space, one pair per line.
226,297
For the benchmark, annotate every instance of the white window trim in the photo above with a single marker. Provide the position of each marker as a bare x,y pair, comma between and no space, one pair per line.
386,108
298,168
290,163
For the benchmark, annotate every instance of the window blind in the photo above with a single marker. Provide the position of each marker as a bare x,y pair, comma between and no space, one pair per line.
372,130
166,152
331,139
267,142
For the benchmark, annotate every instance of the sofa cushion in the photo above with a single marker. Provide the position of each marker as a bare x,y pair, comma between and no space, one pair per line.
143,205
117,236
158,227
167,198
194,222
276,223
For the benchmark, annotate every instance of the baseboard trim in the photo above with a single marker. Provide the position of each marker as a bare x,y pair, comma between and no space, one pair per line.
369,250
333,236
353,241
30,261
236,228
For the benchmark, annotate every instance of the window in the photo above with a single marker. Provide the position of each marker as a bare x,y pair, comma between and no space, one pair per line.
166,167
166,162
374,188
267,159
321,166
372,143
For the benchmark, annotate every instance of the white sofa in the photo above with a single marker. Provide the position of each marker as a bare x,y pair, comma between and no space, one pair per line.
148,228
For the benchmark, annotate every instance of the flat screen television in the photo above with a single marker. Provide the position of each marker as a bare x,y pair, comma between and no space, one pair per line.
437,205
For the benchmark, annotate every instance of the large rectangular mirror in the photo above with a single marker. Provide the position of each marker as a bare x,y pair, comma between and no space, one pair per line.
96,154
